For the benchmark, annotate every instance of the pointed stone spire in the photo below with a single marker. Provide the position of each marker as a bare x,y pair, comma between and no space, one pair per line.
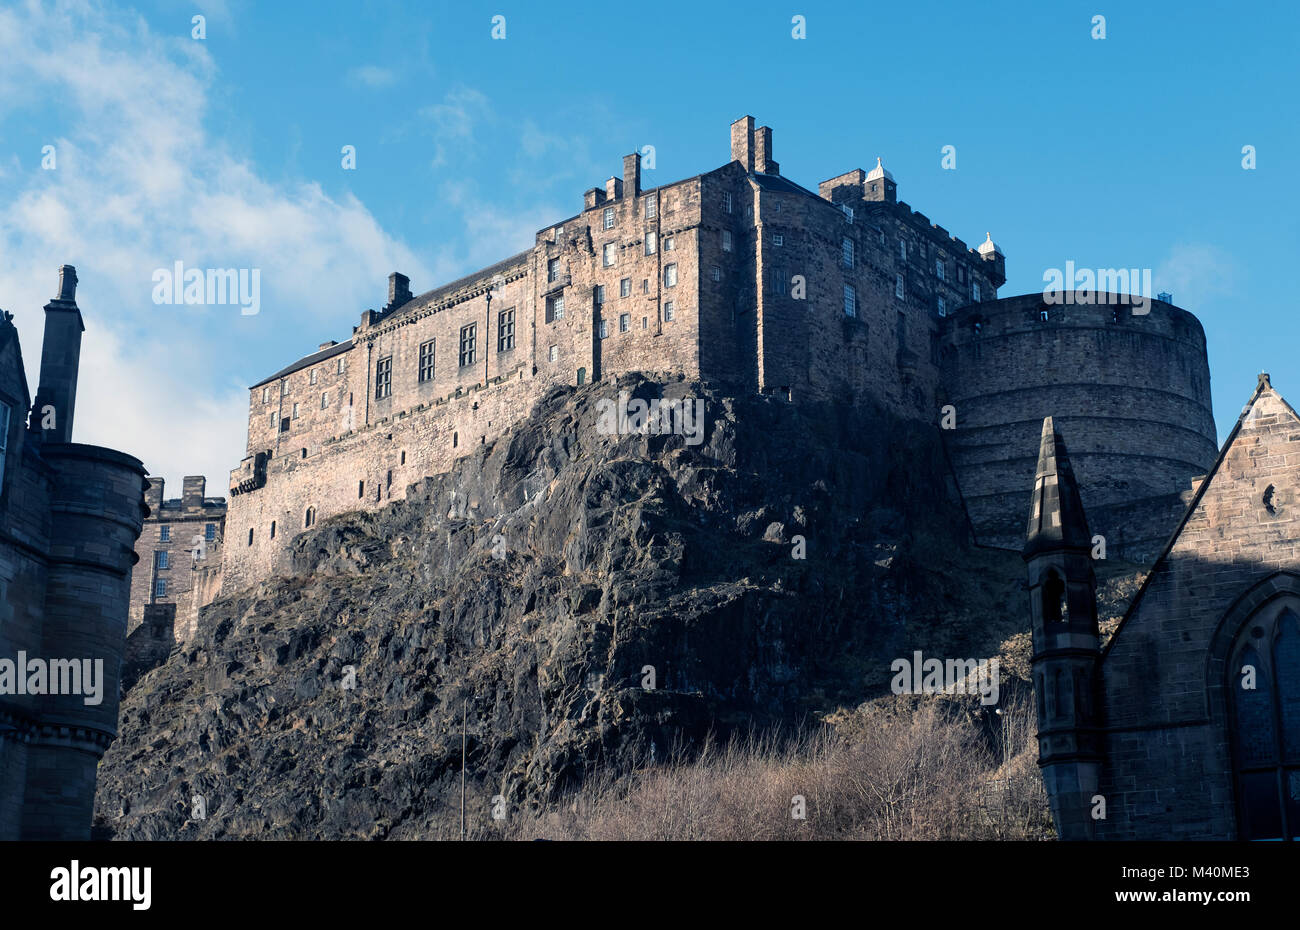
1056,517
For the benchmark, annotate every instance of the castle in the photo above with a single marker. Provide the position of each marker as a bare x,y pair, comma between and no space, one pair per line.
743,277
69,518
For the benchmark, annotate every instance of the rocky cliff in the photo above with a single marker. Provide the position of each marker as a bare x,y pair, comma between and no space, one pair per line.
568,599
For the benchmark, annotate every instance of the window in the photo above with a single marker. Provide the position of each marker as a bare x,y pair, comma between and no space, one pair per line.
645,322
1042,315
848,212
669,309
274,417
651,242
651,206
426,361
361,489
1264,722
553,269
726,240
726,201
582,376
598,295
324,400
295,411
623,320
284,388
164,533
779,281
210,532
608,254
778,240
309,518
555,308
342,362
850,301
846,252
609,217
670,275
645,285
961,274
625,287
160,587
898,286
468,343
312,376
975,291
383,378
902,249
250,537
284,425
559,233
162,560
506,330
555,353
273,529
938,269
715,273
266,395
943,307
670,244
604,329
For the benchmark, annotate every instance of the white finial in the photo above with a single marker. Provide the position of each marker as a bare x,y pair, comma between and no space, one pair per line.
880,171
988,245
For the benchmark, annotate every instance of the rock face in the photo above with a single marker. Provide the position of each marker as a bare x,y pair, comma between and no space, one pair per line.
582,601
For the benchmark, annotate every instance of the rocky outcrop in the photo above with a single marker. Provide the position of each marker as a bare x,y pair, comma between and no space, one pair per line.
580,601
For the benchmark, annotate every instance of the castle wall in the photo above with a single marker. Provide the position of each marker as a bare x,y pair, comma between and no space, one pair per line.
1132,393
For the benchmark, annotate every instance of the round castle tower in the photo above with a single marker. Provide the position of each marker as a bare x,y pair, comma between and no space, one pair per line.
1130,388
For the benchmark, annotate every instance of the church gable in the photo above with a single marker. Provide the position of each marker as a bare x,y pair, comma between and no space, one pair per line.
1242,526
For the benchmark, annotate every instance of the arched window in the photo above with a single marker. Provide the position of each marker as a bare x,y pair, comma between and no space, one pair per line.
310,518
1264,717
582,376
1055,607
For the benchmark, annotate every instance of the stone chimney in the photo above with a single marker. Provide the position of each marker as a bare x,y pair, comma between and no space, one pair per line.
613,189
593,198
399,290
742,142
327,345
153,495
56,395
763,161
632,174
192,490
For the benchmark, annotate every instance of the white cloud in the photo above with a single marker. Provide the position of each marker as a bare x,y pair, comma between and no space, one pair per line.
372,76
453,122
1194,273
140,184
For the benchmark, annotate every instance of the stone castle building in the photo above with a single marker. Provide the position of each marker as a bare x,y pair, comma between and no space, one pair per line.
69,518
1187,725
738,276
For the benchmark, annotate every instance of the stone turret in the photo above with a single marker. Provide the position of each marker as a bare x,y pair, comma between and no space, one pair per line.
1063,611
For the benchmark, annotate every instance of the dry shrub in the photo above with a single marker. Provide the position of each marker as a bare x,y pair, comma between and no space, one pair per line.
903,768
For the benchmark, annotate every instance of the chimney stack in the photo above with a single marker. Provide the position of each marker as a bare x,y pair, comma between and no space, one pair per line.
742,142
613,189
56,396
632,174
192,489
763,161
399,290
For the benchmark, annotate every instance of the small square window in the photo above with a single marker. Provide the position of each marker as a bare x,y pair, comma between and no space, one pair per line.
555,353
609,253
778,240
651,242
623,322
726,240
669,310
669,244
609,217
625,287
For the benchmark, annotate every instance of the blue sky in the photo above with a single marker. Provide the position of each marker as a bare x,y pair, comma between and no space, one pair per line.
225,152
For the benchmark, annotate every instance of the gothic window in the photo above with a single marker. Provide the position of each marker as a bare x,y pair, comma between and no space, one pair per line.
1055,607
1264,719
